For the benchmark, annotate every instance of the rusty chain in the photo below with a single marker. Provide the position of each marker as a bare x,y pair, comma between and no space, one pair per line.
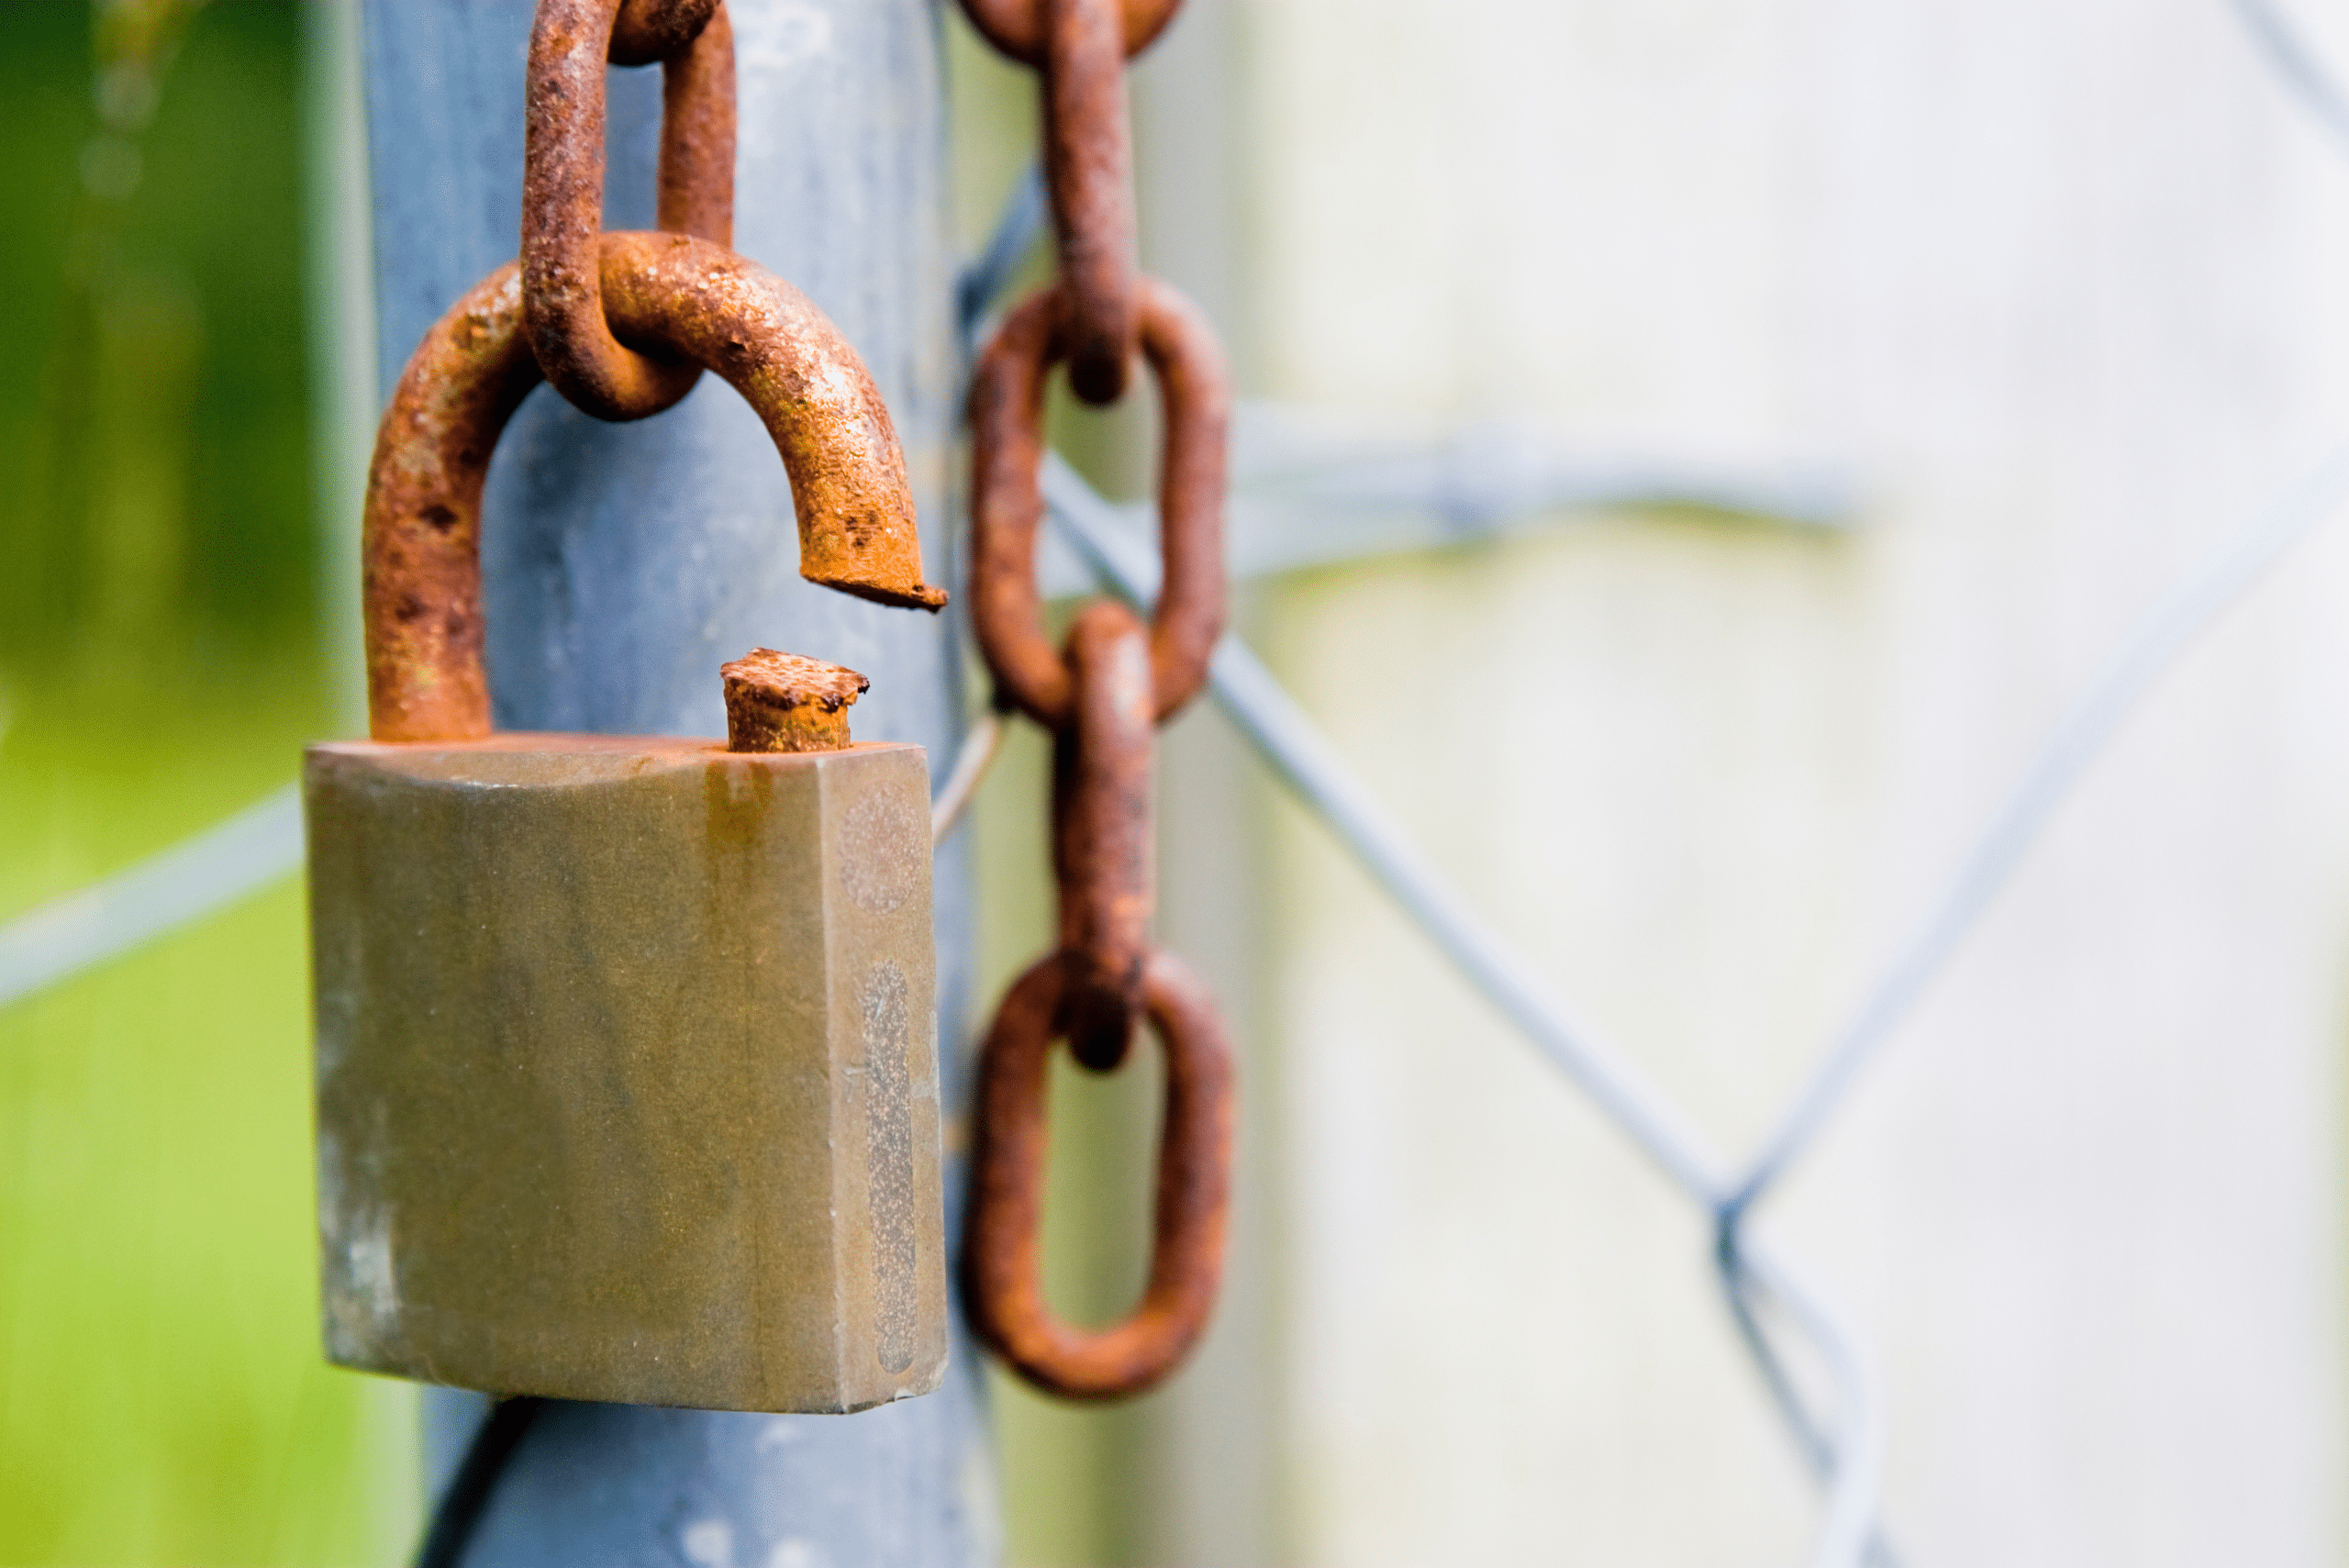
1007,504
1100,695
562,183
682,298
1079,47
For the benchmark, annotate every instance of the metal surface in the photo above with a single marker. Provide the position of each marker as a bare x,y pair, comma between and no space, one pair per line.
1102,832
626,1061
1002,1252
1007,507
1018,27
781,702
1101,697
620,566
563,189
1088,168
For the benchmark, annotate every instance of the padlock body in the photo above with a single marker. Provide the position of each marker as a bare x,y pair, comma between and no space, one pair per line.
627,1070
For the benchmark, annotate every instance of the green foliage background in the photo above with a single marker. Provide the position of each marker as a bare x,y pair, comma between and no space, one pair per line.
162,1400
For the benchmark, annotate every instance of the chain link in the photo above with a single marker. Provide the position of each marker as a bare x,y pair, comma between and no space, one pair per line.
1100,695
1089,171
1001,1247
562,183
1101,818
1008,502
1018,27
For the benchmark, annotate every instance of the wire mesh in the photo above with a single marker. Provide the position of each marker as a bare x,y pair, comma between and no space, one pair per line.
1759,1283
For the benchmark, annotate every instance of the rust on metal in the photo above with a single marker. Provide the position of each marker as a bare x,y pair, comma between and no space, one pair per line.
647,32
420,551
781,702
421,536
563,185
1016,27
1101,696
1088,158
787,360
628,1070
1101,832
697,168
1008,502
1002,1245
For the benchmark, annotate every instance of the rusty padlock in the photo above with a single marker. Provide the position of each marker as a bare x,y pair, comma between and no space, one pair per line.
627,1056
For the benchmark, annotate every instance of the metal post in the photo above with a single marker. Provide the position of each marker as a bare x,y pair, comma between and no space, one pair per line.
623,565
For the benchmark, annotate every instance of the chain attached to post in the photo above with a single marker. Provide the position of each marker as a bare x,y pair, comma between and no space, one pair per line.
623,324
1101,694
682,299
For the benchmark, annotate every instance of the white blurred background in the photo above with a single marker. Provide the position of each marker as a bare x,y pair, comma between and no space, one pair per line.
2056,293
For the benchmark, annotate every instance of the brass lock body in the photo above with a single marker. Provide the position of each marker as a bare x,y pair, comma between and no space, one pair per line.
628,1070
627,1059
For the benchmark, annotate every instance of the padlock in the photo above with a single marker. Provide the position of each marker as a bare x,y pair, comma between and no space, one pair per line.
627,1059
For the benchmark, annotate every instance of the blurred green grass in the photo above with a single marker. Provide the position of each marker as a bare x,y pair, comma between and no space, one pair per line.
162,1399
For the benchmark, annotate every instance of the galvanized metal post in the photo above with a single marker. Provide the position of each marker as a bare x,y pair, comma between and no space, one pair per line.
623,565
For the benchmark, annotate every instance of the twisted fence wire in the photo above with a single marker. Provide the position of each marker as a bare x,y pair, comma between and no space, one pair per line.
258,846
2289,56
1285,738
240,854
1287,742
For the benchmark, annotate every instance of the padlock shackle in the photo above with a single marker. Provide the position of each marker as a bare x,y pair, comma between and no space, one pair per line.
421,536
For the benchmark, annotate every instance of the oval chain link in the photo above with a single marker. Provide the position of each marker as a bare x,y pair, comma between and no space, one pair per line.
1088,170
562,183
1001,1247
1016,27
1008,501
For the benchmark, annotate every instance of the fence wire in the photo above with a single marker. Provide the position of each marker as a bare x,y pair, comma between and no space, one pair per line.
262,843
241,854
1287,742
1850,1463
